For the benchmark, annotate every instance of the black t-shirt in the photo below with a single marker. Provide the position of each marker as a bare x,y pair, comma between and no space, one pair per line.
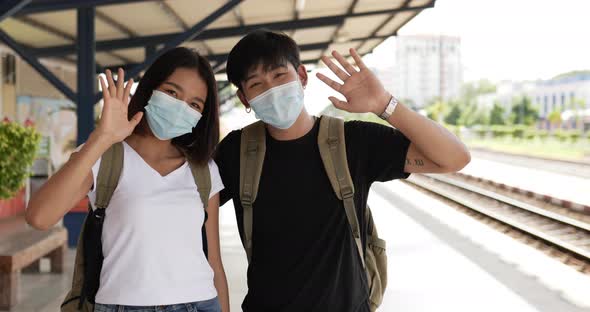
303,255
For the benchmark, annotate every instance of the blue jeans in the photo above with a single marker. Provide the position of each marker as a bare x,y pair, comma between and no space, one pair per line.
211,305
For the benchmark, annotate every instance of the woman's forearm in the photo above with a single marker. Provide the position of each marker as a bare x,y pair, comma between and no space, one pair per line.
66,187
220,282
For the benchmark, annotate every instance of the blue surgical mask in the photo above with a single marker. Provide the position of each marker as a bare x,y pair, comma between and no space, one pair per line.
279,106
169,117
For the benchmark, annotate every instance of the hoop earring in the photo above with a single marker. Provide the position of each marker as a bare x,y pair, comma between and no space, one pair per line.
248,110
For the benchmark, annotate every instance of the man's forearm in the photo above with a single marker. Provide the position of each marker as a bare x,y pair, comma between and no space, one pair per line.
433,140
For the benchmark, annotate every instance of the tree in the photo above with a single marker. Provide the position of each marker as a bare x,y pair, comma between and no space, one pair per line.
497,115
523,113
437,111
555,118
452,118
577,104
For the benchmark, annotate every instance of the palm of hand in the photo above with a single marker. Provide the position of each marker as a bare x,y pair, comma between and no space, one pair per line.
359,90
363,91
114,120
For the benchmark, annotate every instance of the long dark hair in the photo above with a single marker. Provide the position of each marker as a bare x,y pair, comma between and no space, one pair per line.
200,144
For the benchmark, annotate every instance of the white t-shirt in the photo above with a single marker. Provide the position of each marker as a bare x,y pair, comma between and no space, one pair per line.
151,238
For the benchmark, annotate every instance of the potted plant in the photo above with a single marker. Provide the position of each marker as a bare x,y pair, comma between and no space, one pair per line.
18,147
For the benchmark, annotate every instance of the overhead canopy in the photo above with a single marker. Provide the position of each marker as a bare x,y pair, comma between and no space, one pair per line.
97,34
126,31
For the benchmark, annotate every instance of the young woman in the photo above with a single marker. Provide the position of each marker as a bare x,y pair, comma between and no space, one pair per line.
151,238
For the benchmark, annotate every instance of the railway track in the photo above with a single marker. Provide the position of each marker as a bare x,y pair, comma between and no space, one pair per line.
559,235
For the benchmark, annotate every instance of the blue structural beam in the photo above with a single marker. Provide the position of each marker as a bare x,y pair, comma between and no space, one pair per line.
10,7
180,38
222,32
34,62
59,5
220,58
86,73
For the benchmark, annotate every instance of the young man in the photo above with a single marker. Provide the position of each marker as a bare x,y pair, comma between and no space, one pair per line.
304,257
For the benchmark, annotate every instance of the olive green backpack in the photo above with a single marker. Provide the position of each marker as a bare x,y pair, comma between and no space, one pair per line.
332,147
107,179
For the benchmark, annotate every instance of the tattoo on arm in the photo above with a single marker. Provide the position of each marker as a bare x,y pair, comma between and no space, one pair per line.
416,162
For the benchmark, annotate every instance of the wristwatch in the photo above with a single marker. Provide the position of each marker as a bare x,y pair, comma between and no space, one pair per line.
389,109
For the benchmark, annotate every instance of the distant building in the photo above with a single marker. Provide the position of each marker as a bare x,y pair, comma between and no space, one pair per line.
427,67
560,93
569,94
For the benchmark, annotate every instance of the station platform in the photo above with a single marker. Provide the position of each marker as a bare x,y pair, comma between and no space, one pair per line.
439,260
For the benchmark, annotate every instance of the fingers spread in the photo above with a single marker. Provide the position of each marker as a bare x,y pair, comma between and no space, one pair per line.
112,86
335,69
358,60
349,68
331,83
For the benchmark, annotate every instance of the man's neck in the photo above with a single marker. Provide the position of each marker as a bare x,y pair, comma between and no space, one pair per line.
301,127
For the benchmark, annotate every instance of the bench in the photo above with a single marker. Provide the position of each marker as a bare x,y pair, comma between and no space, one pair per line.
21,248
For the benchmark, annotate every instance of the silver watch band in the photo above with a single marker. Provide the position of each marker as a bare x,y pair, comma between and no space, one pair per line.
389,109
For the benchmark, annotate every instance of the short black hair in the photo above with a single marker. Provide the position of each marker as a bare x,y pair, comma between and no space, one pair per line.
264,47
200,144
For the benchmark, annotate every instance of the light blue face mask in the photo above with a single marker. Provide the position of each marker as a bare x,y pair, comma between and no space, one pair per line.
169,117
279,106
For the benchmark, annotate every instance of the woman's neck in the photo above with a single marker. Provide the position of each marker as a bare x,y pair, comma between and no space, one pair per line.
148,146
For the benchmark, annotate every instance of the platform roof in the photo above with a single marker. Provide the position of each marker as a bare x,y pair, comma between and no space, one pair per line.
126,30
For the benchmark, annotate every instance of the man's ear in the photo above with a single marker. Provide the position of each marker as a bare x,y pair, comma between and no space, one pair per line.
243,98
302,73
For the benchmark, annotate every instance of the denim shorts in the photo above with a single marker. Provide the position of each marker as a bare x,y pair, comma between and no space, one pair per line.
211,305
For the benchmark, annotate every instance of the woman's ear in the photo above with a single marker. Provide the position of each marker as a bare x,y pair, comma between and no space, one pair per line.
243,99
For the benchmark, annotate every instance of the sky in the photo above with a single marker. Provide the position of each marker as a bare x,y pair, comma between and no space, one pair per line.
507,39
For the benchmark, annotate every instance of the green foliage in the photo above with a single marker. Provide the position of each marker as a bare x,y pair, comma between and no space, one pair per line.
523,112
18,147
561,135
501,131
575,136
543,134
555,117
497,115
572,73
437,111
481,132
530,134
518,132
452,118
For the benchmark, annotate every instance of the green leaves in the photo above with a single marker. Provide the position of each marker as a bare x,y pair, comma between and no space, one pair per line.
18,147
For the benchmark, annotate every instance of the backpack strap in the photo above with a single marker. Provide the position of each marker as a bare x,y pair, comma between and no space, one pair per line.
332,147
111,165
202,178
252,150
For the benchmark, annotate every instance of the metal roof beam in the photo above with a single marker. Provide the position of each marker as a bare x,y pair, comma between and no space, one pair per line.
387,20
34,62
181,37
216,33
9,8
41,6
221,58
113,23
